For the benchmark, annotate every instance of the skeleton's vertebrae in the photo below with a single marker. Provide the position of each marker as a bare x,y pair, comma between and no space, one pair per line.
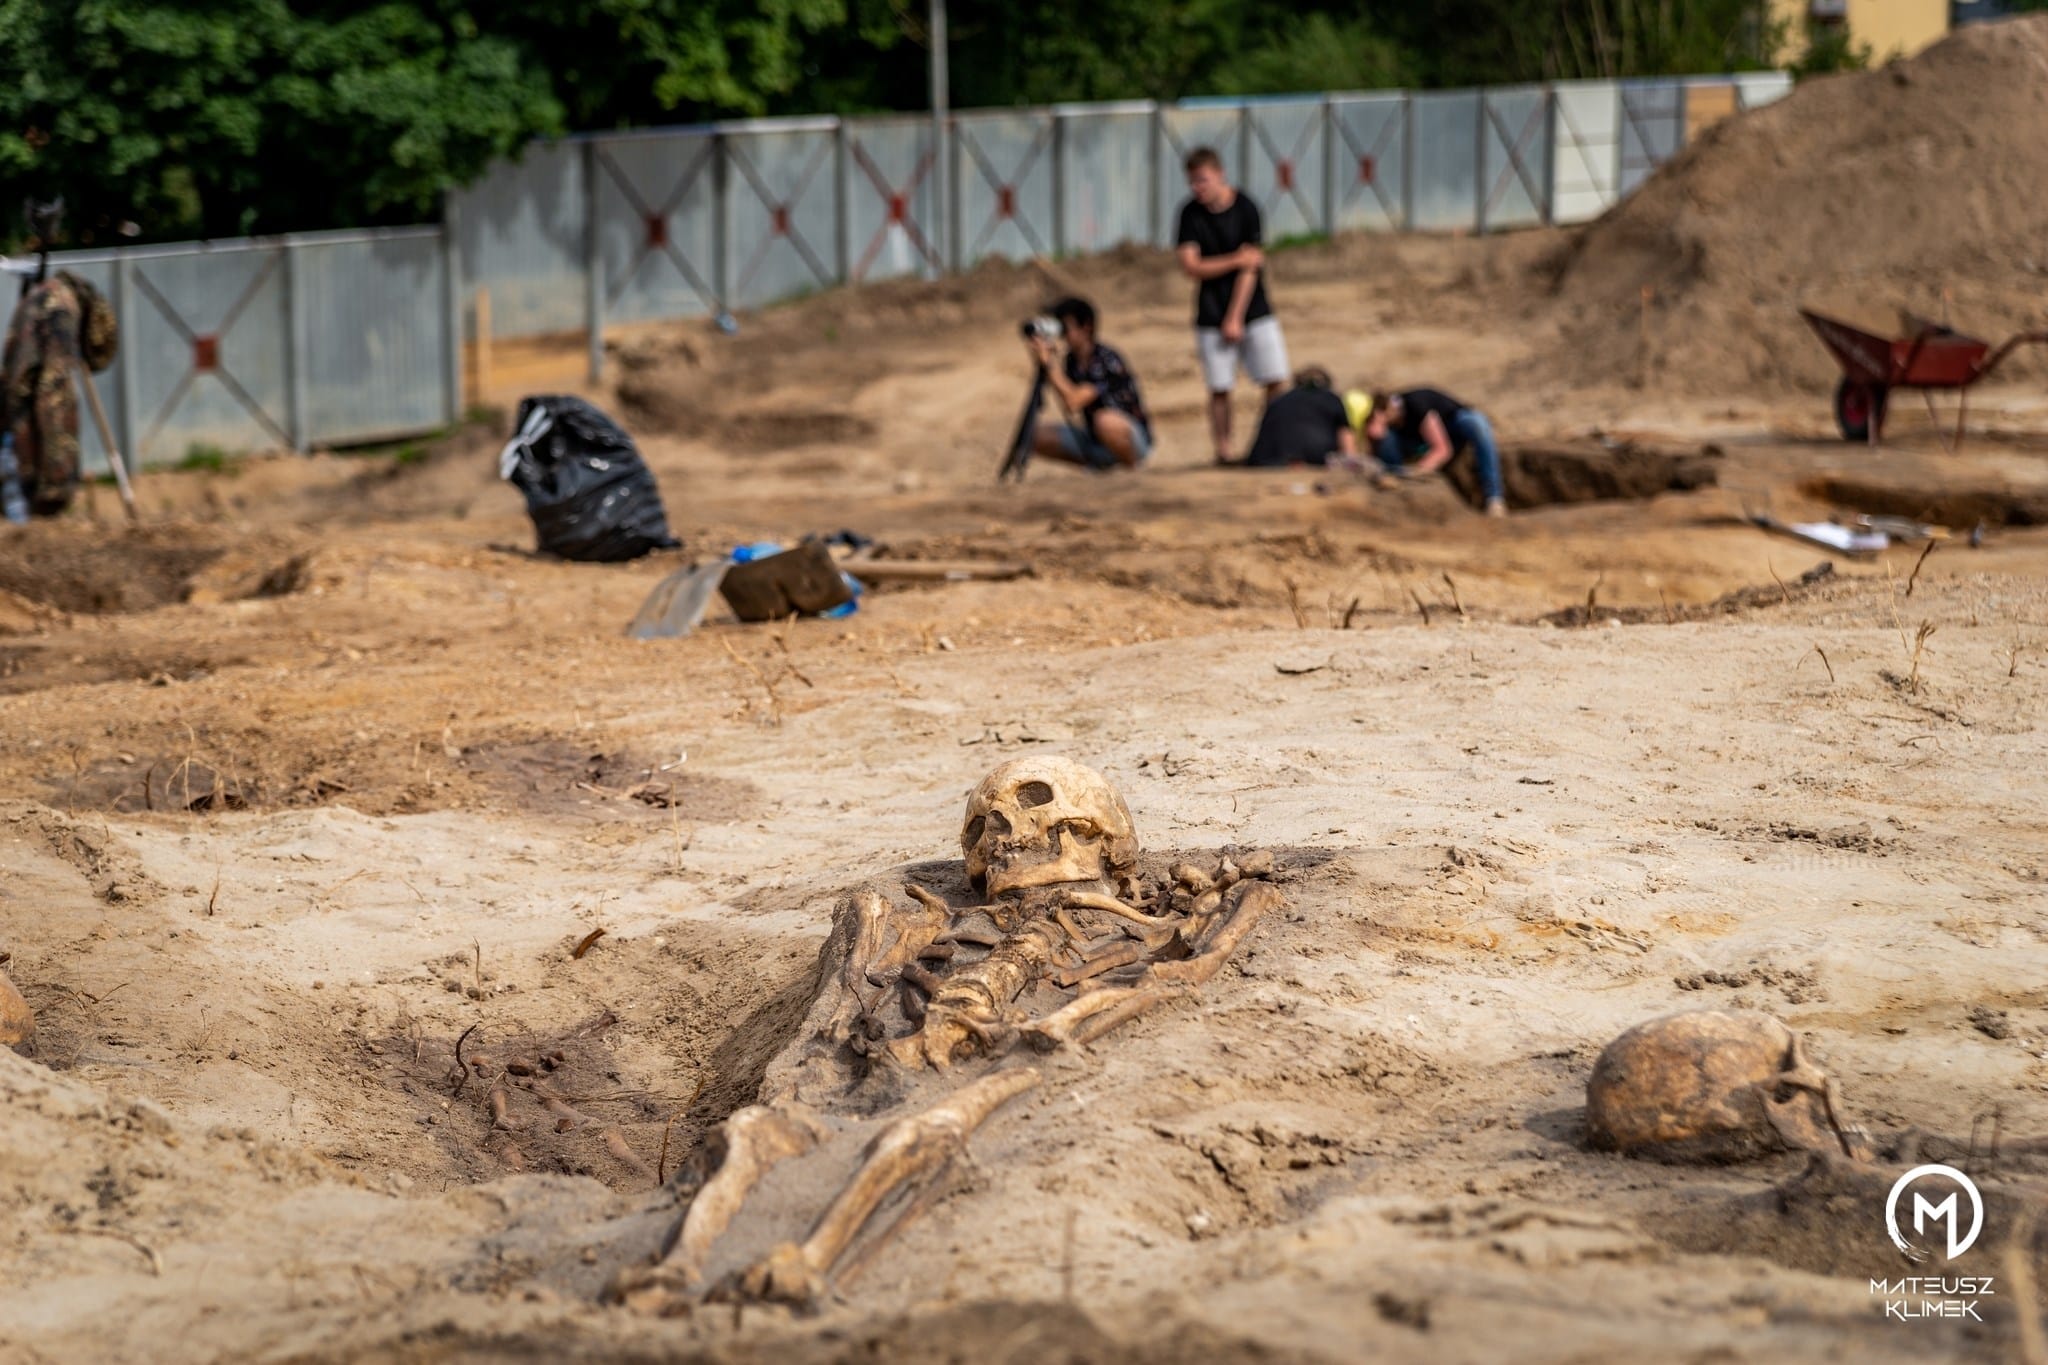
925,985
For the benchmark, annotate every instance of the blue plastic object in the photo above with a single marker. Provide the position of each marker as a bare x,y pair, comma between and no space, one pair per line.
13,501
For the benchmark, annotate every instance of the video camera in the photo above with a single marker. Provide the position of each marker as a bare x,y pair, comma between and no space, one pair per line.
43,219
1042,328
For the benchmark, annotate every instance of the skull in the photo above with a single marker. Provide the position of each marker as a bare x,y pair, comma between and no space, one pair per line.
1039,821
1709,1086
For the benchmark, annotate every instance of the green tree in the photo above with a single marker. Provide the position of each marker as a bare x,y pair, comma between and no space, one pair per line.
240,116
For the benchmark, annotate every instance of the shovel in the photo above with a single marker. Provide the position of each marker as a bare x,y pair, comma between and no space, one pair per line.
678,602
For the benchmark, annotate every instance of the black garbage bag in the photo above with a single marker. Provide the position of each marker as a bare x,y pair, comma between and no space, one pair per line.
588,491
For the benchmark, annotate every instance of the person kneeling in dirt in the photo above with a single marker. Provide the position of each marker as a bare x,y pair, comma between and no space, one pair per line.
1417,431
1095,383
1306,425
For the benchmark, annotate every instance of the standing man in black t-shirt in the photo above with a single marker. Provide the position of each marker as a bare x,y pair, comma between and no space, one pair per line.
1417,431
1220,247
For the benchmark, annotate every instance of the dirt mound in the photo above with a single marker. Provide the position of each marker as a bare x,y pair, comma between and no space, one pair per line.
1865,194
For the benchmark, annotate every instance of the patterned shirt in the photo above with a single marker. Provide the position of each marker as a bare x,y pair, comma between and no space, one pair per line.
1115,386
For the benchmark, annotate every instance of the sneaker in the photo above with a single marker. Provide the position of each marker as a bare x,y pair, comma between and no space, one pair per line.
1496,507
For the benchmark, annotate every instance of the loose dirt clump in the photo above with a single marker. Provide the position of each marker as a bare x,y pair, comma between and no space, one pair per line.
1893,189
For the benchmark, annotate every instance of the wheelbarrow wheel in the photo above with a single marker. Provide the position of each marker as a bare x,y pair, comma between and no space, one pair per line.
1859,407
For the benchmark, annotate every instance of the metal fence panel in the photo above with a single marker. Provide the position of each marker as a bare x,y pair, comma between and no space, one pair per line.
1444,172
1755,89
520,233
1003,166
1106,174
782,211
1369,161
374,330
1181,130
1652,128
1514,158
207,332
891,197
1285,164
1584,149
657,210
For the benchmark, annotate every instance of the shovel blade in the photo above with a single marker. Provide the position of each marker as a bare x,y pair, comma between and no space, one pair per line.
678,602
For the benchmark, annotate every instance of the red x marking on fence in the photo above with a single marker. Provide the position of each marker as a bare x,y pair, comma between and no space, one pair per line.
897,197
1005,188
1283,165
655,224
1369,162
206,354
780,225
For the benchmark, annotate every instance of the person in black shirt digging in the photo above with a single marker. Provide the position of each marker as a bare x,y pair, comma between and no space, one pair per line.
1110,426
1306,425
1417,431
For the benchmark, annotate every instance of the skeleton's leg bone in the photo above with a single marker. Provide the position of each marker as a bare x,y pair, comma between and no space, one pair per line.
755,1139
909,1149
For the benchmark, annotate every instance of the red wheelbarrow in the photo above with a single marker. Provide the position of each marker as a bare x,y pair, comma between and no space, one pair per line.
1930,356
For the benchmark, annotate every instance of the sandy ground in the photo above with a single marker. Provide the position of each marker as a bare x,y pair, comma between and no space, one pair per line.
320,770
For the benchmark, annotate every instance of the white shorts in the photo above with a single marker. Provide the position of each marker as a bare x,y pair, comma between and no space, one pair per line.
1262,352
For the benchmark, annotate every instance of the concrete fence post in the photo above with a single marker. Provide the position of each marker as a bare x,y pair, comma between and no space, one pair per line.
296,341
125,380
593,265
842,206
451,307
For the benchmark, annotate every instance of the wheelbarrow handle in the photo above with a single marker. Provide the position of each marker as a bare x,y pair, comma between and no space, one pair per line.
2007,347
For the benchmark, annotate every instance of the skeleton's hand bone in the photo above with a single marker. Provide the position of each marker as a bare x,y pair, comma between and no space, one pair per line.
910,1149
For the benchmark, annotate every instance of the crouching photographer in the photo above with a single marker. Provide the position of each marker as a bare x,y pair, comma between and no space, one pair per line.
1107,423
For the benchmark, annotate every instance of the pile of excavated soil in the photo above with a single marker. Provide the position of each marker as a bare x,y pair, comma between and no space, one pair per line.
1864,194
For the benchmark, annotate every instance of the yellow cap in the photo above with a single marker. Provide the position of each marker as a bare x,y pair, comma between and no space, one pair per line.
1358,407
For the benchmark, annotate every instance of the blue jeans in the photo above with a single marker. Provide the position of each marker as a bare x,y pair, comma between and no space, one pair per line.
1079,442
1469,429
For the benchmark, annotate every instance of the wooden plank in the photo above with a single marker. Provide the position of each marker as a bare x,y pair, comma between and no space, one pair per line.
935,570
